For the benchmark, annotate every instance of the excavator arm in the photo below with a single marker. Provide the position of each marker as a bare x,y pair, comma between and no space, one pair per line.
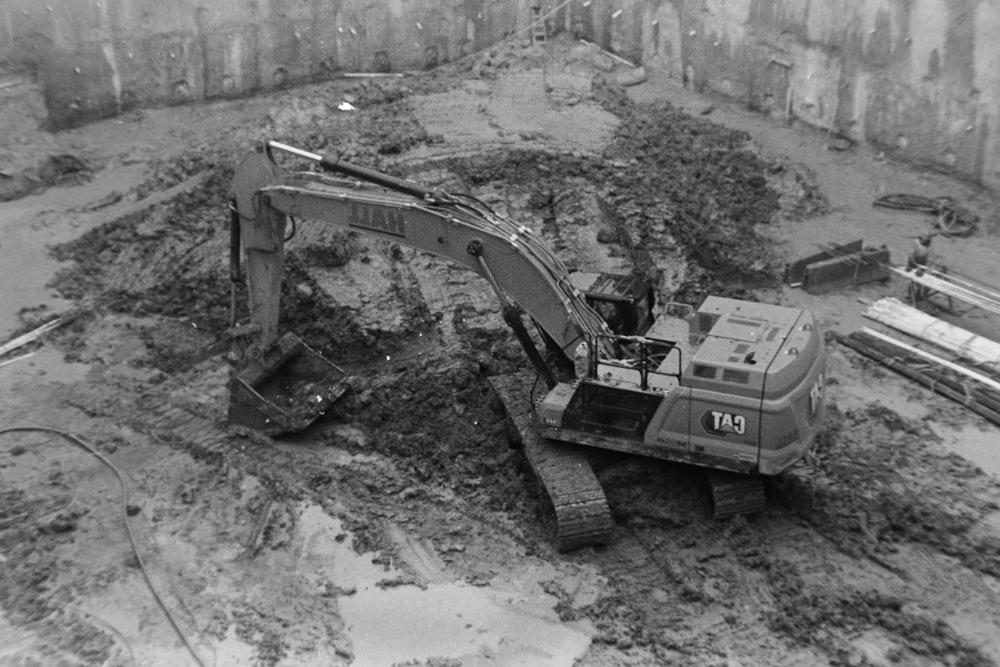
519,267
749,398
462,229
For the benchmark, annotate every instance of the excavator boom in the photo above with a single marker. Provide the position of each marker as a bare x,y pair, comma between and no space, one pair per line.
735,387
510,256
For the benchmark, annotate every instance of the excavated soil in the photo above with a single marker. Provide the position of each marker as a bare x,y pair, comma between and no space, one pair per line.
403,528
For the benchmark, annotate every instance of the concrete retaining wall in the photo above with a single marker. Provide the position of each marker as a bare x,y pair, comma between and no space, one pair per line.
99,57
920,78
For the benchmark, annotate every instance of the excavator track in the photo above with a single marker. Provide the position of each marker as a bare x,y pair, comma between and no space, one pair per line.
582,515
733,493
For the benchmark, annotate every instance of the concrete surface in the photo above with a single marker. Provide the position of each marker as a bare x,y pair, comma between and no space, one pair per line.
100,57
918,78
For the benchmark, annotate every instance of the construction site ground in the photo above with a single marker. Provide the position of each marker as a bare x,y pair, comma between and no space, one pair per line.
404,529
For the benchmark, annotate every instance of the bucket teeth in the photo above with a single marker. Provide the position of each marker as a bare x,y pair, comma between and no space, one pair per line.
286,390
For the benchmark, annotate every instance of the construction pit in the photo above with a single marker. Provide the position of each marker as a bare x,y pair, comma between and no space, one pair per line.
403,528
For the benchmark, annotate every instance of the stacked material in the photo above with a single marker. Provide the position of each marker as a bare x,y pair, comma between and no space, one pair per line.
963,289
32,336
967,345
976,392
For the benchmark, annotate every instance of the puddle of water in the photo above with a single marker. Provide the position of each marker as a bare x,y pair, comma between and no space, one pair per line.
454,621
26,264
233,651
979,631
399,623
24,249
17,645
875,646
149,646
328,555
858,396
158,647
977,445
47,364
990,523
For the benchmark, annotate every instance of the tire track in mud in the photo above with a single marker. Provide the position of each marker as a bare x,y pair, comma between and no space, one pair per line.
161,415
832,600
691,592
684,593
876,479
778,586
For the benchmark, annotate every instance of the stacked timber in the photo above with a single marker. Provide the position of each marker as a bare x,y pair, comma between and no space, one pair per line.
32,336
954,286
977,392
967,345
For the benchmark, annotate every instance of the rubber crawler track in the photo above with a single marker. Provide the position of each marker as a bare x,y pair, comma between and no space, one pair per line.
582,515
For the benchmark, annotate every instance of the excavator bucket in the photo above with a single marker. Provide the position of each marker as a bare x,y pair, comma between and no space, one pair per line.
285,391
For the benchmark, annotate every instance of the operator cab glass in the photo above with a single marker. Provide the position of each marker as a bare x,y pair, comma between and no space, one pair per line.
624,301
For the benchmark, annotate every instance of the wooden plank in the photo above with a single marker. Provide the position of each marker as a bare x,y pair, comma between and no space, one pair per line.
936,374
10,361
858,343
37,333
961,370
896,314
964,290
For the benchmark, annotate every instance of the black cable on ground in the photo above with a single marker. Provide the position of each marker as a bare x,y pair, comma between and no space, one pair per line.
904,202
952,219
128,527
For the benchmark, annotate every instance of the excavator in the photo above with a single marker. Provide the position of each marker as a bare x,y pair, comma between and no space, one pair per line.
733,387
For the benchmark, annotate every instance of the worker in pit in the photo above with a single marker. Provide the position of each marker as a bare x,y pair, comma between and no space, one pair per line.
918,261
920,255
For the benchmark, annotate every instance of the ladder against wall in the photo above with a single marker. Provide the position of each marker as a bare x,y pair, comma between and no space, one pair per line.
538,35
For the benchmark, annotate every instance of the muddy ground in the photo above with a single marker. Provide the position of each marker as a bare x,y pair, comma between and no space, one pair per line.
403,528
